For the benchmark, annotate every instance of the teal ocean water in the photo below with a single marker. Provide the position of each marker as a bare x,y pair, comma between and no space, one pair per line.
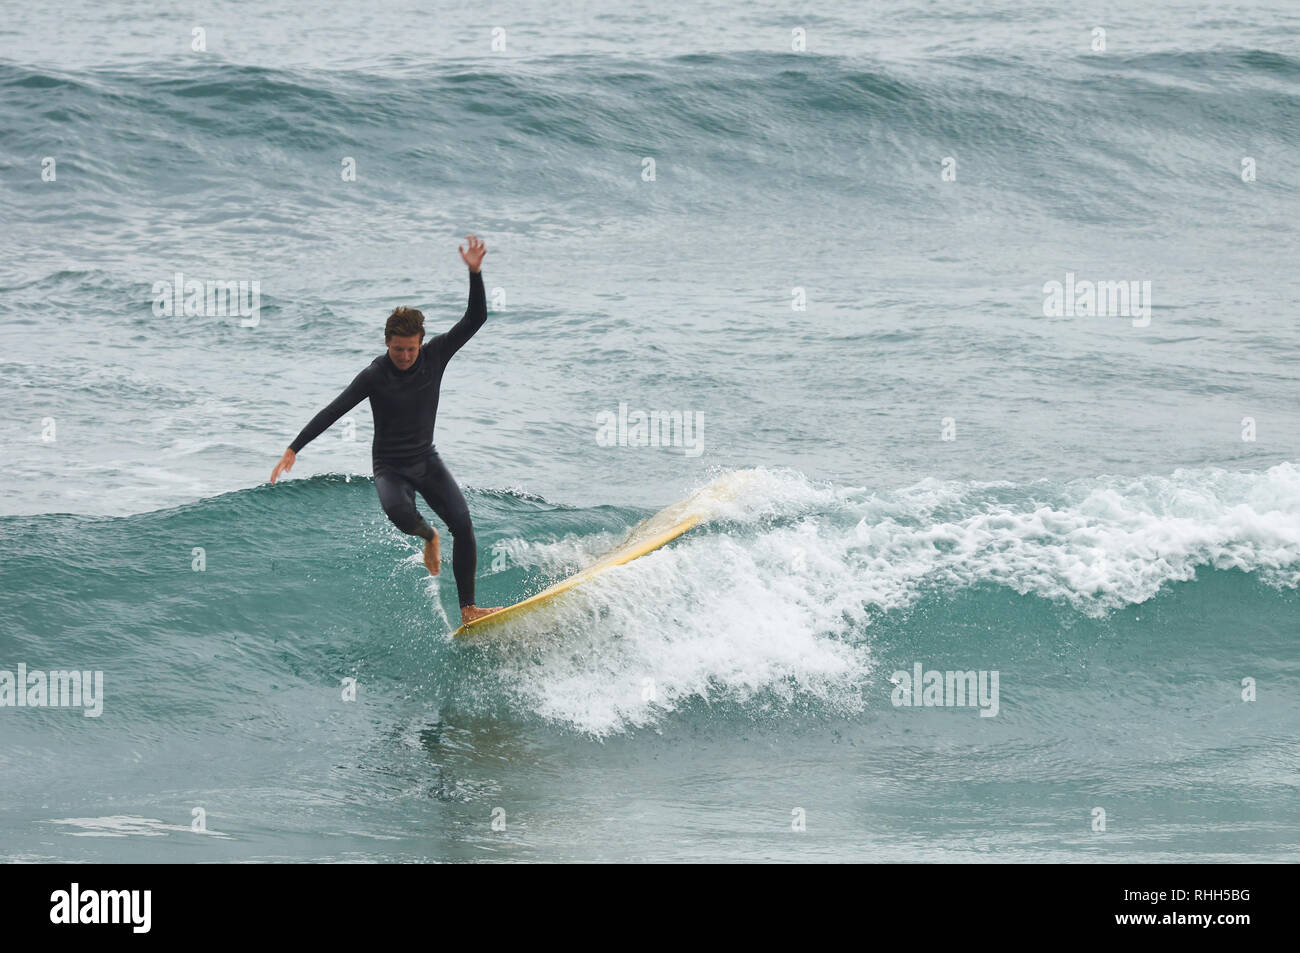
834,261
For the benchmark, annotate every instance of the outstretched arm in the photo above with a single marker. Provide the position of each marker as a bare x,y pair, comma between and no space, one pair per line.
352,395
452,341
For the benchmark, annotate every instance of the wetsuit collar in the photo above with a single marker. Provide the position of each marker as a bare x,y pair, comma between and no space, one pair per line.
397,370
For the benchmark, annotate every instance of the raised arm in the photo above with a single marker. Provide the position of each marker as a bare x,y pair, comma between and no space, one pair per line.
449,342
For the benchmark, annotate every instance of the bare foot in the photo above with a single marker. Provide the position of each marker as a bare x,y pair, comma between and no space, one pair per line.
470,613
433,555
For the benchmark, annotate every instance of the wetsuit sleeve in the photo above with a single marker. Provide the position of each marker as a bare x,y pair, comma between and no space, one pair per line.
452,341
352,395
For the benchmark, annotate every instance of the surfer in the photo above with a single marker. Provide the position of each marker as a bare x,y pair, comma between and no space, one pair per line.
403,386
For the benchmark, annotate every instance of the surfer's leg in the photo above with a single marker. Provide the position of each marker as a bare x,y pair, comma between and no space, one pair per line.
440,491
397,497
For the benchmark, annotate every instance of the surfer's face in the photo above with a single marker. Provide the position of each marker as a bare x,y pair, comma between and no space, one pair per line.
404,351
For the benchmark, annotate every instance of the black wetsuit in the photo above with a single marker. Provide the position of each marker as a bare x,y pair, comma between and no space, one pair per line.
404,405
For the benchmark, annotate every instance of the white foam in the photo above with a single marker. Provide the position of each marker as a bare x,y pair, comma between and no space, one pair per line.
1102,543
124,825
776,604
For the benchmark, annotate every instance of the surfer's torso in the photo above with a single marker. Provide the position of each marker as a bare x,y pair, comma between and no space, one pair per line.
403,403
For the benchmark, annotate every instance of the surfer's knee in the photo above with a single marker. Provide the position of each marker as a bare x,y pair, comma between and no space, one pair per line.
408,519
459,524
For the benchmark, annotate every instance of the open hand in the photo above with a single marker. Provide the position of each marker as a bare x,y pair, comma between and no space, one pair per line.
286,463
473,257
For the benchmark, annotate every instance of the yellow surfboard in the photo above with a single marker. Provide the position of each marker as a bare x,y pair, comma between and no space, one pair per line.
645,537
